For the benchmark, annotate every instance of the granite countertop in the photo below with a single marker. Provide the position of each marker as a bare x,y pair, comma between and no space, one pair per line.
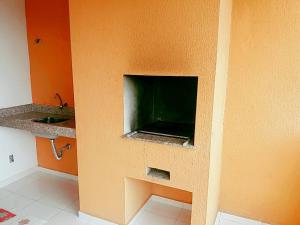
20,117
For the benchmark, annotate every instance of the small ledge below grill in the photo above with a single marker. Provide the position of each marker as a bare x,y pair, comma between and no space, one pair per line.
165,133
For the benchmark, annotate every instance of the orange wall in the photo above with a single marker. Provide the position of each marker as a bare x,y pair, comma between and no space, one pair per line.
172,193
261,169
50,61
51,68
67,164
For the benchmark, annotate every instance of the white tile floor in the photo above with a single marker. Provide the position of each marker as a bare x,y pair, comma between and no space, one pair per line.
50,200
43,199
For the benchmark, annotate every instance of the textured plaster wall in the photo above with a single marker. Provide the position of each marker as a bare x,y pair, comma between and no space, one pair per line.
112,38
261,170
219,110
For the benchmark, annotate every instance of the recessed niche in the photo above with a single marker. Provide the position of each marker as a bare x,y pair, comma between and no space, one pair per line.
143,198
158,173
160,108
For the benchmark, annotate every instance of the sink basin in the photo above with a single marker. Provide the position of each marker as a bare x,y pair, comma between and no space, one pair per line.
50,120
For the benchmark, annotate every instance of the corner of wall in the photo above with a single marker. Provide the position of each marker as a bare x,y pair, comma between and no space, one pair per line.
219,109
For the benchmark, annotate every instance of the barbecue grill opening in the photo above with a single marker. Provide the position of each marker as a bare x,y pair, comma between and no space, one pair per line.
160,108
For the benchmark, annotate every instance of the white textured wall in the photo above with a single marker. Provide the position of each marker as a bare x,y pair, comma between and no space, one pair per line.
14,59
14,87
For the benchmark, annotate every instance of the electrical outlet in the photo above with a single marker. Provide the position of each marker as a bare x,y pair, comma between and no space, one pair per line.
11,158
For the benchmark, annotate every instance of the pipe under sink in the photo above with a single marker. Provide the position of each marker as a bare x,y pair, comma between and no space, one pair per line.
58,153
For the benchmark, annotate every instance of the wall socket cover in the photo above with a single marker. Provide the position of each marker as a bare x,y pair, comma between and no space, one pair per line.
11,158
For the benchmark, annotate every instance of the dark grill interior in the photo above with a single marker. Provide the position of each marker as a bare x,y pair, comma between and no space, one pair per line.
160,106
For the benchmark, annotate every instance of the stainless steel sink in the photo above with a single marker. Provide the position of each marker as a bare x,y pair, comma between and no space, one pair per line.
50,120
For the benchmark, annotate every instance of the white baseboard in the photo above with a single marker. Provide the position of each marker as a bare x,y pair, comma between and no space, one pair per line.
97,221
57,173
225,218
17,177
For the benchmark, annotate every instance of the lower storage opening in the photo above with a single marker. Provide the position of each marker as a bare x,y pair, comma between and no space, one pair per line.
150,203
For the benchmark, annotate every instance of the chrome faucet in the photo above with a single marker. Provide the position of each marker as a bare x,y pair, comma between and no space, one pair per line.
62,105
